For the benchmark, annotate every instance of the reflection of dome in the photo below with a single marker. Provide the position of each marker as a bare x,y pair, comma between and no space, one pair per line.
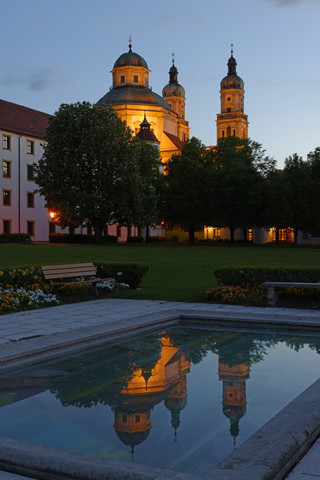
232,80
132,438
130,58
175,405
234,414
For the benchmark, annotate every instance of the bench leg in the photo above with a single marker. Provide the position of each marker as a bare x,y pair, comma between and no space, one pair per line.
272,296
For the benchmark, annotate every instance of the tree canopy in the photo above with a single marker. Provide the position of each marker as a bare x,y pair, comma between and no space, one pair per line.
93,171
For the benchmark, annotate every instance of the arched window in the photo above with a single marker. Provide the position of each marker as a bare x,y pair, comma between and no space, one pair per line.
228,131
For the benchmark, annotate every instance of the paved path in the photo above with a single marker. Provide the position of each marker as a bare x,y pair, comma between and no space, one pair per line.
25,331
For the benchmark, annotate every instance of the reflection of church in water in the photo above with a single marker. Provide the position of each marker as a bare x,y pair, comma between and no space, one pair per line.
167,381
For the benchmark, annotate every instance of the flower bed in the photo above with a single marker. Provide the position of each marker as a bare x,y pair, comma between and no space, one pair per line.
238,295
20,299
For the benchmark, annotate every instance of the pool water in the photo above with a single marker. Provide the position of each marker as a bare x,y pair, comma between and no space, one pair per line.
181,399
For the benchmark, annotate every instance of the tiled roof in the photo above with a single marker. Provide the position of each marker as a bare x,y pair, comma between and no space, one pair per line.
147,136
19,119
175,140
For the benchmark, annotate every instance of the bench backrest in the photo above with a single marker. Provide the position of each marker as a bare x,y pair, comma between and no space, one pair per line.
51,272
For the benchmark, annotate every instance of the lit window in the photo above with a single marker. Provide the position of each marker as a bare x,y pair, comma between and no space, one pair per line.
122,79
30,147
30,199
216,233
30,228
135,78
6,224
30,172
6,142
6,168
249,234
6,197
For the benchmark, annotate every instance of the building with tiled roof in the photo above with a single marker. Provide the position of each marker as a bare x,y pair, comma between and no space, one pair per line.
22,132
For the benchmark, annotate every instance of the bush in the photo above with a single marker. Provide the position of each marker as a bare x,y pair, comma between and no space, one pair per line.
130,273
257,275
15,238
136,239
156,238
79,238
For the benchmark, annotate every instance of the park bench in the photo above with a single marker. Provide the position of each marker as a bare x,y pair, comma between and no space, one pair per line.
272,295
73,270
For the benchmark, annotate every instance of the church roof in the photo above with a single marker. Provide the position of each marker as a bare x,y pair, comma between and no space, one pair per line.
19,119
130,58
132,94
175,140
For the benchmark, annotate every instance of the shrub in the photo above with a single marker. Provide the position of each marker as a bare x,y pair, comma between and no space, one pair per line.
257,275
79,238
130,273
136,239
155,238
14,238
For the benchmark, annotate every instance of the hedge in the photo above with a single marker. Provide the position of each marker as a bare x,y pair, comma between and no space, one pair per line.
79,238
14,238
130,273
257,275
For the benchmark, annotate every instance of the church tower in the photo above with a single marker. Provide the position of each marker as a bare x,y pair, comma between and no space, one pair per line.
174,93
232,119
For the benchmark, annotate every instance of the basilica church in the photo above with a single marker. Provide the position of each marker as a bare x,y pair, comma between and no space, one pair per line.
156,119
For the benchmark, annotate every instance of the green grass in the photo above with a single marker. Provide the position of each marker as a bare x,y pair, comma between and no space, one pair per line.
176,272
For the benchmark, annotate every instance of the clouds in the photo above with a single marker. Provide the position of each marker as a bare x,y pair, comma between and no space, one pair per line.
35,80
293,3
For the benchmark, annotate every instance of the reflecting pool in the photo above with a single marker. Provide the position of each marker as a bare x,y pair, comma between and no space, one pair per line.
179,399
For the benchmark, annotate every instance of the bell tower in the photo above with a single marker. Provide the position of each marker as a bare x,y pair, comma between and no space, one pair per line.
232,119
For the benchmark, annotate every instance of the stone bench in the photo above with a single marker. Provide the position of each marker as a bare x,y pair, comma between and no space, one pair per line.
272,295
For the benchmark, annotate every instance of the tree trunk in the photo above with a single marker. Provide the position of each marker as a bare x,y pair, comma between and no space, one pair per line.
147,233
245,233
191,235
98,230
295,232
277,236
231,234
128,231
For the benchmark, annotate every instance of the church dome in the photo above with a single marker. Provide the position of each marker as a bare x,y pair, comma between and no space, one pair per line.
232,80
130,58
173,88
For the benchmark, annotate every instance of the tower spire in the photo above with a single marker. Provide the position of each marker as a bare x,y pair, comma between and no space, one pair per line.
130,43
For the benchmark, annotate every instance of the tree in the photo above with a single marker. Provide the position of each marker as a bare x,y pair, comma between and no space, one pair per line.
238,183
89,170
186,194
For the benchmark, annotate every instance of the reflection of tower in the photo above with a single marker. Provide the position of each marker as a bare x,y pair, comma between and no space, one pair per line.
234,393
176,401
148,387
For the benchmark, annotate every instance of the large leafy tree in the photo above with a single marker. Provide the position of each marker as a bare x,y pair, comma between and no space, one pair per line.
186,194
90,170
238,183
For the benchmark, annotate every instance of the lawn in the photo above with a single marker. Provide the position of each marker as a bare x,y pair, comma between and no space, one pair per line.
176,272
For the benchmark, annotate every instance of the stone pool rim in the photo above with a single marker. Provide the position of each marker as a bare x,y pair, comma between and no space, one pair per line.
264,455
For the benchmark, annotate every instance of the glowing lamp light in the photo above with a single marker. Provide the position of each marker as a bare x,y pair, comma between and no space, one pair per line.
52,215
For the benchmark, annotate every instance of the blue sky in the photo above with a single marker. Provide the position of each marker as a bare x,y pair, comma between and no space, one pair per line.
62,51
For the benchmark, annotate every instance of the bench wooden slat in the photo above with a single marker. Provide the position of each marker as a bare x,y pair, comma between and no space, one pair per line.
54,272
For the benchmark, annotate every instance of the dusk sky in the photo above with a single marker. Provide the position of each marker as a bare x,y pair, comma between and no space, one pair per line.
62,51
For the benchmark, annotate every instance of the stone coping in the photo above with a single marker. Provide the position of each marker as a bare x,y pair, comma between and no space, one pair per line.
268,454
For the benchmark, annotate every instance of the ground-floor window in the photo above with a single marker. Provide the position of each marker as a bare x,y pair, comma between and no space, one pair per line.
285,234
249,234
30,228
6,226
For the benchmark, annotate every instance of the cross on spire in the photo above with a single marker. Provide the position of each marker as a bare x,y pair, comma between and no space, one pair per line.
130,42
231,45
